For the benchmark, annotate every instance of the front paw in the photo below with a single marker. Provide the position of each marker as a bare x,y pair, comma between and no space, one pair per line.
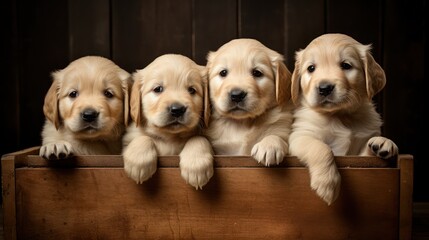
270,150
382,147
57,150
196,162
196,171
140,162
326,182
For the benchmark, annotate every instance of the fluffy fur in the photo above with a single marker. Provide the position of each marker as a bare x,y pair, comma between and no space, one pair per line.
249,91
333,83
167,105
86,109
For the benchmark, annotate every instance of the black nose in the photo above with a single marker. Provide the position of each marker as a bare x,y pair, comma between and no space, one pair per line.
89,115
325,89
177,110
237,95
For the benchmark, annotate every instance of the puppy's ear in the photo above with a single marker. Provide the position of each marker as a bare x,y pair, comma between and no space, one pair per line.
374,74
135,99
283,81
50,106
296,77
126,88
206,98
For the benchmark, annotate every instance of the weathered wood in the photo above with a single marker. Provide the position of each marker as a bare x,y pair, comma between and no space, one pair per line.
406,165
8,194
92,196
219,161
239,203
209,36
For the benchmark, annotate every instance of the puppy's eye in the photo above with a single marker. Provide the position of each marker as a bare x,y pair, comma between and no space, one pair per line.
223,73
73,94
345,66
311,68
257,73
192,90
108,94
158,89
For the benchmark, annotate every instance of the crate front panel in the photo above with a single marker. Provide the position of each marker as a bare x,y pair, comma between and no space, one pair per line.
237,203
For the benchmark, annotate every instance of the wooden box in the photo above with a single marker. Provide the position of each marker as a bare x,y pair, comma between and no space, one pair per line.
91,197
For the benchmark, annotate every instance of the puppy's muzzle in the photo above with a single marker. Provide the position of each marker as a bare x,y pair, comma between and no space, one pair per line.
89,115
325,88
177,110
237,95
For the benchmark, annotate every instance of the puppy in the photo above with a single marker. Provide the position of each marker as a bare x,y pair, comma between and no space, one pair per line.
167,108
249,94
86,109
334,80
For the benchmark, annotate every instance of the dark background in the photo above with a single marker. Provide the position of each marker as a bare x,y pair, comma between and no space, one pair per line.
45,35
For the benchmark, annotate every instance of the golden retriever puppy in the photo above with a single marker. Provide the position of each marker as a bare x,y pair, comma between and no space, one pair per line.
334,80
86,109
167,108
249,91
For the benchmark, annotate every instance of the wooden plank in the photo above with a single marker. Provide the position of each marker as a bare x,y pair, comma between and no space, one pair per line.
406,165
214,24
245,203
144,30
219,161
89,33
406,65
304,21
8,197
43,35
367,29
264,21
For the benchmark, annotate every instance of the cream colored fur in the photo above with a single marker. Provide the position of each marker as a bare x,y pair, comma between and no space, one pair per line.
333,83
86,109
250,97
167,107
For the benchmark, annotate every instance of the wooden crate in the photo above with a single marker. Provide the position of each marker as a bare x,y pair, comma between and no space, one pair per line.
91,197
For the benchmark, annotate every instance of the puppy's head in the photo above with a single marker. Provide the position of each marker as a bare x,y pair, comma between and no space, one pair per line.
335,72
169,95
246,78
89,98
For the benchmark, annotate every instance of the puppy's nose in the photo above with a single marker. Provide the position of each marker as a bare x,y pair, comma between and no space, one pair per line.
89,115
237,95
177,110
325,89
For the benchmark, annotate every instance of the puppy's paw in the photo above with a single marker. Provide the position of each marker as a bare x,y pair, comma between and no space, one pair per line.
326,182
196,162
196,170
57,150
140,161
270,150
382,147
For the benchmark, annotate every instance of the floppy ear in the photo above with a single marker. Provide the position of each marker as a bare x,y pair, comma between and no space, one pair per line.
283,78
296,78
206,99
135,100
374,74
126,88
50,107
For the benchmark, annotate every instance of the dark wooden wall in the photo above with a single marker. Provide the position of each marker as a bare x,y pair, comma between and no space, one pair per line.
43,36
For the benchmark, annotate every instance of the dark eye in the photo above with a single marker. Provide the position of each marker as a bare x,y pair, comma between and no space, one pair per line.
73,94
192,90
108,94
223,73
158,89
257,73
311,68
345,66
